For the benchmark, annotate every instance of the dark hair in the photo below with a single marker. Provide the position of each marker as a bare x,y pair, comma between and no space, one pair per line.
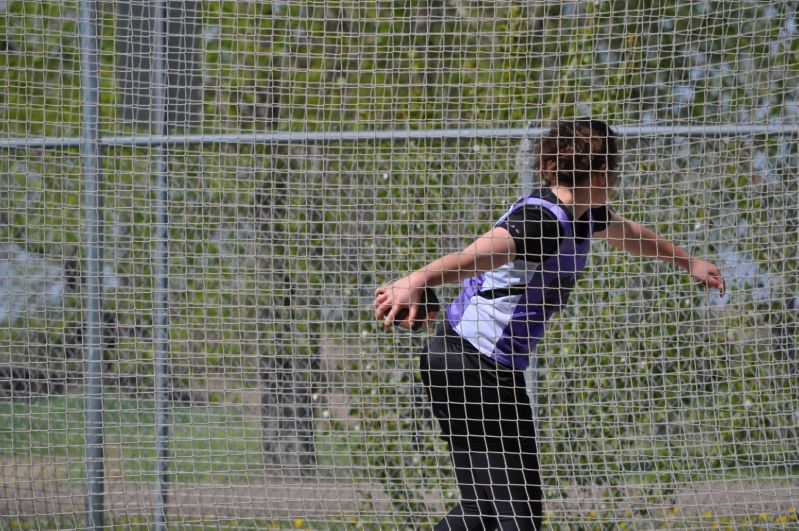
572,149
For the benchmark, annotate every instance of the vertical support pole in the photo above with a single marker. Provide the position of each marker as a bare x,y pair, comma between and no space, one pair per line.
527,182
161,317
93,236
525,162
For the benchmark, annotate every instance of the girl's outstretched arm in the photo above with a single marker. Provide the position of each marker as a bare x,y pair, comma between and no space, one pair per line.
493,249
637,240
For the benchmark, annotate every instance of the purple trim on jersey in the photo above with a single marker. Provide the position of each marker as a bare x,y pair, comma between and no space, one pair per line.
547,291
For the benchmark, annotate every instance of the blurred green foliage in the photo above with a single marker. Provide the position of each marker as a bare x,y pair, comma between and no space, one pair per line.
647,380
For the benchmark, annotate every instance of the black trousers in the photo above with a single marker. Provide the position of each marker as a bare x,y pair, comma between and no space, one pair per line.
485,417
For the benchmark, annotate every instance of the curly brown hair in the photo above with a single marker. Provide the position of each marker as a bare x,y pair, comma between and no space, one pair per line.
572,149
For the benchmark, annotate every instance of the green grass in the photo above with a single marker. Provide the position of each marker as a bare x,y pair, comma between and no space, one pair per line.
212,444
206,443
590,522
143,523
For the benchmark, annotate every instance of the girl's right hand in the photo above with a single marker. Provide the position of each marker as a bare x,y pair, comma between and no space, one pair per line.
389,300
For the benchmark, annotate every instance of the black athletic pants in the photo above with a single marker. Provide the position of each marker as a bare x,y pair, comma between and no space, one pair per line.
486,419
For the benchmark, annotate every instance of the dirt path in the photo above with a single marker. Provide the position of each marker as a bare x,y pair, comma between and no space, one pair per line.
44,488
48,488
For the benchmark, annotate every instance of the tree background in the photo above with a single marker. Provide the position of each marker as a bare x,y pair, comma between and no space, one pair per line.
647,384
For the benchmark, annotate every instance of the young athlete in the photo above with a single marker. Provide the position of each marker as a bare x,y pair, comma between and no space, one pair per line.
515,277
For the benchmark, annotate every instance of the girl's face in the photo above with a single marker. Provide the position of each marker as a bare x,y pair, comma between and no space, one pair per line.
612,178
603,184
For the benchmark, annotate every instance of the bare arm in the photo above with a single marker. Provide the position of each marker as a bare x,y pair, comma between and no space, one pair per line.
493,249
638,240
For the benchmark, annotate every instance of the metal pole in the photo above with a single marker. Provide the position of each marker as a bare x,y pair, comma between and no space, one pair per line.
525,163
295,137
527,182
161,269
92,204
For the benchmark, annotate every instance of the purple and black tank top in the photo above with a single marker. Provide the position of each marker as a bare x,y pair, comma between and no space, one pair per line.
502,312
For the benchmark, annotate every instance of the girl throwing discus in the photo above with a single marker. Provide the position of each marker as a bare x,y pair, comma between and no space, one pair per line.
514,278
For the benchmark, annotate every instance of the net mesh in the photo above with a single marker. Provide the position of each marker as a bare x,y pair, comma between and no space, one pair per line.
300,178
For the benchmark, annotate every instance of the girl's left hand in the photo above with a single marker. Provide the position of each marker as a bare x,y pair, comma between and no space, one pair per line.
707,273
